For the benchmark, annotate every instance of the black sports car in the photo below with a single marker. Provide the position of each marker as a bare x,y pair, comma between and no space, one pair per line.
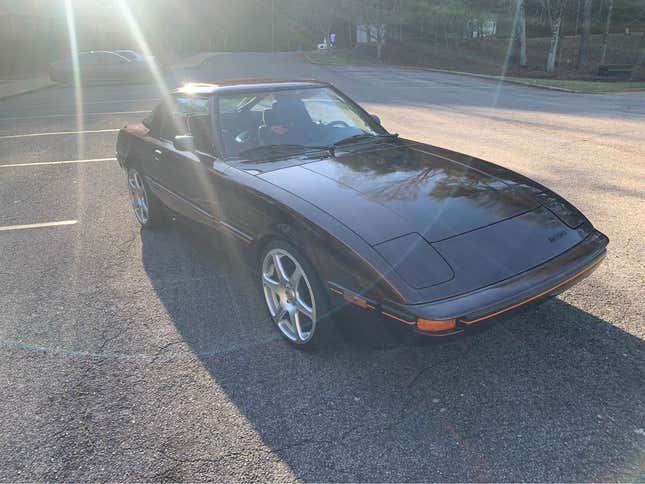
333,210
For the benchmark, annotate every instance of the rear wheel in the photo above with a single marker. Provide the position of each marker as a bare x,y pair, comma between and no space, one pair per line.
147,209
295,299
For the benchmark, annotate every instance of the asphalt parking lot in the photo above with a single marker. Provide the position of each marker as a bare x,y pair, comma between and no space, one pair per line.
130,355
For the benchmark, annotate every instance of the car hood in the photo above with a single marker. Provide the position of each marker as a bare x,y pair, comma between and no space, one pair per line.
391,190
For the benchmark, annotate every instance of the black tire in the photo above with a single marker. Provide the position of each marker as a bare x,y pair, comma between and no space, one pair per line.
323,328
154,215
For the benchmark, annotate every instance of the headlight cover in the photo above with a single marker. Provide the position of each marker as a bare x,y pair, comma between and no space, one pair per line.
415,260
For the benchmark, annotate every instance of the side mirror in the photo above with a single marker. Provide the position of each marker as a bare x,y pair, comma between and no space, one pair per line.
376,118
184,143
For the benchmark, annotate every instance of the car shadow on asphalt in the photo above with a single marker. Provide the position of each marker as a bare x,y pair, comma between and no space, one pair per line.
555,394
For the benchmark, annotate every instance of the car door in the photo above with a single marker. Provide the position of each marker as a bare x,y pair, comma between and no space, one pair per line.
204,177
153,156
243,211
164,161
185,176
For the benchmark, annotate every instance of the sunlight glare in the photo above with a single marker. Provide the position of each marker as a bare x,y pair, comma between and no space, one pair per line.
143,45
78,90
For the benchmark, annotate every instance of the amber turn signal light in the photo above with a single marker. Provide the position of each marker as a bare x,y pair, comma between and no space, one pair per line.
435,324
359,301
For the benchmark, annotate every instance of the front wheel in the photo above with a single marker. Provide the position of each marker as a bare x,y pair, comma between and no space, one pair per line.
147,209
294,297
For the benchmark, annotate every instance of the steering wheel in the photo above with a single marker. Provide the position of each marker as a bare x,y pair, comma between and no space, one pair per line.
338,122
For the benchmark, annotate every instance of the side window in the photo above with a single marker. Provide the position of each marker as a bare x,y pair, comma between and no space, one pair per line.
172,124
170,119
196,112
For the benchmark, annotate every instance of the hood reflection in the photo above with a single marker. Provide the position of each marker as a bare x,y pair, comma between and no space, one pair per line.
410,175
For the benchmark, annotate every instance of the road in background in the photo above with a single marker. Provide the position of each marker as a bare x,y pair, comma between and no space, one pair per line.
148,355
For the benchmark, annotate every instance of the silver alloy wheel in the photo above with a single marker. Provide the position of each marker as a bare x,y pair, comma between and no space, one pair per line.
289,296
138,197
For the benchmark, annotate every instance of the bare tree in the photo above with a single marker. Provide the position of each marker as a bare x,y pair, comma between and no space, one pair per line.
521,13
376,15
373,14
517,46
583,50
555,12
605,35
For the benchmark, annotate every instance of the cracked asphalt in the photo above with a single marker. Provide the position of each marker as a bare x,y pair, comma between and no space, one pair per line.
129,355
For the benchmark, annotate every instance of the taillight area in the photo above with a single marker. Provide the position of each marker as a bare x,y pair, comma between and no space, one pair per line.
435,325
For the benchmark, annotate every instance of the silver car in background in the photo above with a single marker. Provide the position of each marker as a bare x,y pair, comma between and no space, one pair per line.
103,66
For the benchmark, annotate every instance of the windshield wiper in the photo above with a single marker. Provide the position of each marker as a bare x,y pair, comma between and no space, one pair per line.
280,148
362,136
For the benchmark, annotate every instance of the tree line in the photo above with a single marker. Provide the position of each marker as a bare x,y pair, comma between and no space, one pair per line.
185,26
446,20
301,24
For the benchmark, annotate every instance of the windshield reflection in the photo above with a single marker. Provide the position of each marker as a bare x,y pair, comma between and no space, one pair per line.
309,117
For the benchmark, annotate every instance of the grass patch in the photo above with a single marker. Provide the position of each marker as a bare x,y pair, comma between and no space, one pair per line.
584,86
344,58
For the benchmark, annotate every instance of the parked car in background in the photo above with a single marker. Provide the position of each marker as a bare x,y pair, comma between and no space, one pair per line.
130,54
101,66
133,55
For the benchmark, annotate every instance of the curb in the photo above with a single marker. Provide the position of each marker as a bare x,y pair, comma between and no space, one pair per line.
500,79
16,88
519,82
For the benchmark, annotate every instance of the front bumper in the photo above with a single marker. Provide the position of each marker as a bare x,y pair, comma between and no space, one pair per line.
545,280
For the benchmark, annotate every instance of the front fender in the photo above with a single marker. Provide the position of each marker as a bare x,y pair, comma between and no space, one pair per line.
337,253
340,258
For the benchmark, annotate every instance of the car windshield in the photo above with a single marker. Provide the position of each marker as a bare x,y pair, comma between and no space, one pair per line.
287,119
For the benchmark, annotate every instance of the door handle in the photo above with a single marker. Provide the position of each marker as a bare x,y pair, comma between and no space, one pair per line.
157,155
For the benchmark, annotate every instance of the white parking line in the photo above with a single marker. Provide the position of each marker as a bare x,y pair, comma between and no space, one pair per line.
92,103
57,133
38,226
72,115
65,162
